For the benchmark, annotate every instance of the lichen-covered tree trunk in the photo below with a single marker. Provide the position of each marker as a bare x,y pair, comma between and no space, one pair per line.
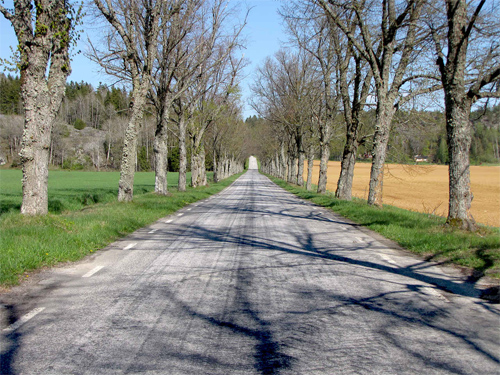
310,166
217,167
198,171
35,148
385,113
323,167
300,169
160,149
283,163
344,185
292,169
459,129
324,149
44,65
182,155
41,104
458,103
129,155
198,175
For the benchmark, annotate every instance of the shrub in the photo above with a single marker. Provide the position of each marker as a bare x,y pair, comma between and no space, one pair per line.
79,124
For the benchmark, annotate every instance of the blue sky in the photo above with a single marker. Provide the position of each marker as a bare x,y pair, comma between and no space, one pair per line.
263,32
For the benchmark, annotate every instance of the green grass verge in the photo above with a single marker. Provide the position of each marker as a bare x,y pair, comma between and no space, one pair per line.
422,234
29,243
74,190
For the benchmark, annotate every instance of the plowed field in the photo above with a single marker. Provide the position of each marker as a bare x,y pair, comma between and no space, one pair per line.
424,188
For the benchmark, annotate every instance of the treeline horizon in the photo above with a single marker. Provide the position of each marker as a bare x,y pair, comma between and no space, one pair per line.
417,136
88,133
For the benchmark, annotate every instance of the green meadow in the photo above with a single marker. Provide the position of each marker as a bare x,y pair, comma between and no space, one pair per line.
84,217
74,190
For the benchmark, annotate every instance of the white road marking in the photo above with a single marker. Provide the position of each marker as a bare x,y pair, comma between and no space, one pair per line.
130,246
93,271
189,209
388,259
180,214
168,221
433,292
152,231
23,319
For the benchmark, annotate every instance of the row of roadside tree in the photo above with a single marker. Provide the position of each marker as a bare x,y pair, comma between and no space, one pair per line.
346,58
179,59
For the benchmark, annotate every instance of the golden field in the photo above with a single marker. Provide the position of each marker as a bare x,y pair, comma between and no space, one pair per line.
424,188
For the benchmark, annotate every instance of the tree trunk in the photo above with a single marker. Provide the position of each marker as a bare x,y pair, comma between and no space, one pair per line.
300,171
160,149
310,166
129,156
324,145
182,155
292,169
35,158
323,167
283,163
217,170
385,113
458,105
458,130
198,172
344,185
41,104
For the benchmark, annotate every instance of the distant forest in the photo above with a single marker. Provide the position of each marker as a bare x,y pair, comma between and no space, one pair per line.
88,133
91,124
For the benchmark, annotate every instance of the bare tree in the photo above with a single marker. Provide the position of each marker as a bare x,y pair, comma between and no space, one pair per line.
131,54
218,85
177,46
227,137
45,30
468,57
287,95
202,73
389,48
312,33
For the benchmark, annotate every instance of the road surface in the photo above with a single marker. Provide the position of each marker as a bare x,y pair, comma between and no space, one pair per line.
250,281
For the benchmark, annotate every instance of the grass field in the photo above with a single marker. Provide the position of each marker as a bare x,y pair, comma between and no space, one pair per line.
70,190
424,188
85,217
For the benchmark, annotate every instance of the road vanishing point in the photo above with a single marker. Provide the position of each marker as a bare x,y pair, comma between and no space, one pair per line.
250,281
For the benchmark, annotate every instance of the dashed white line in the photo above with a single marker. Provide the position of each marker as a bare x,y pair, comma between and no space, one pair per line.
388,259
130,246
189,209
24,319
168,221
180,214
152,231
433,292
93,271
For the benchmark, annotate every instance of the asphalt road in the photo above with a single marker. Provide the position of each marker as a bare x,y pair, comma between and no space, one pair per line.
250,281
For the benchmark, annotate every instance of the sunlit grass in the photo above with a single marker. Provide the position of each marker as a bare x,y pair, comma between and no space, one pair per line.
29,243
